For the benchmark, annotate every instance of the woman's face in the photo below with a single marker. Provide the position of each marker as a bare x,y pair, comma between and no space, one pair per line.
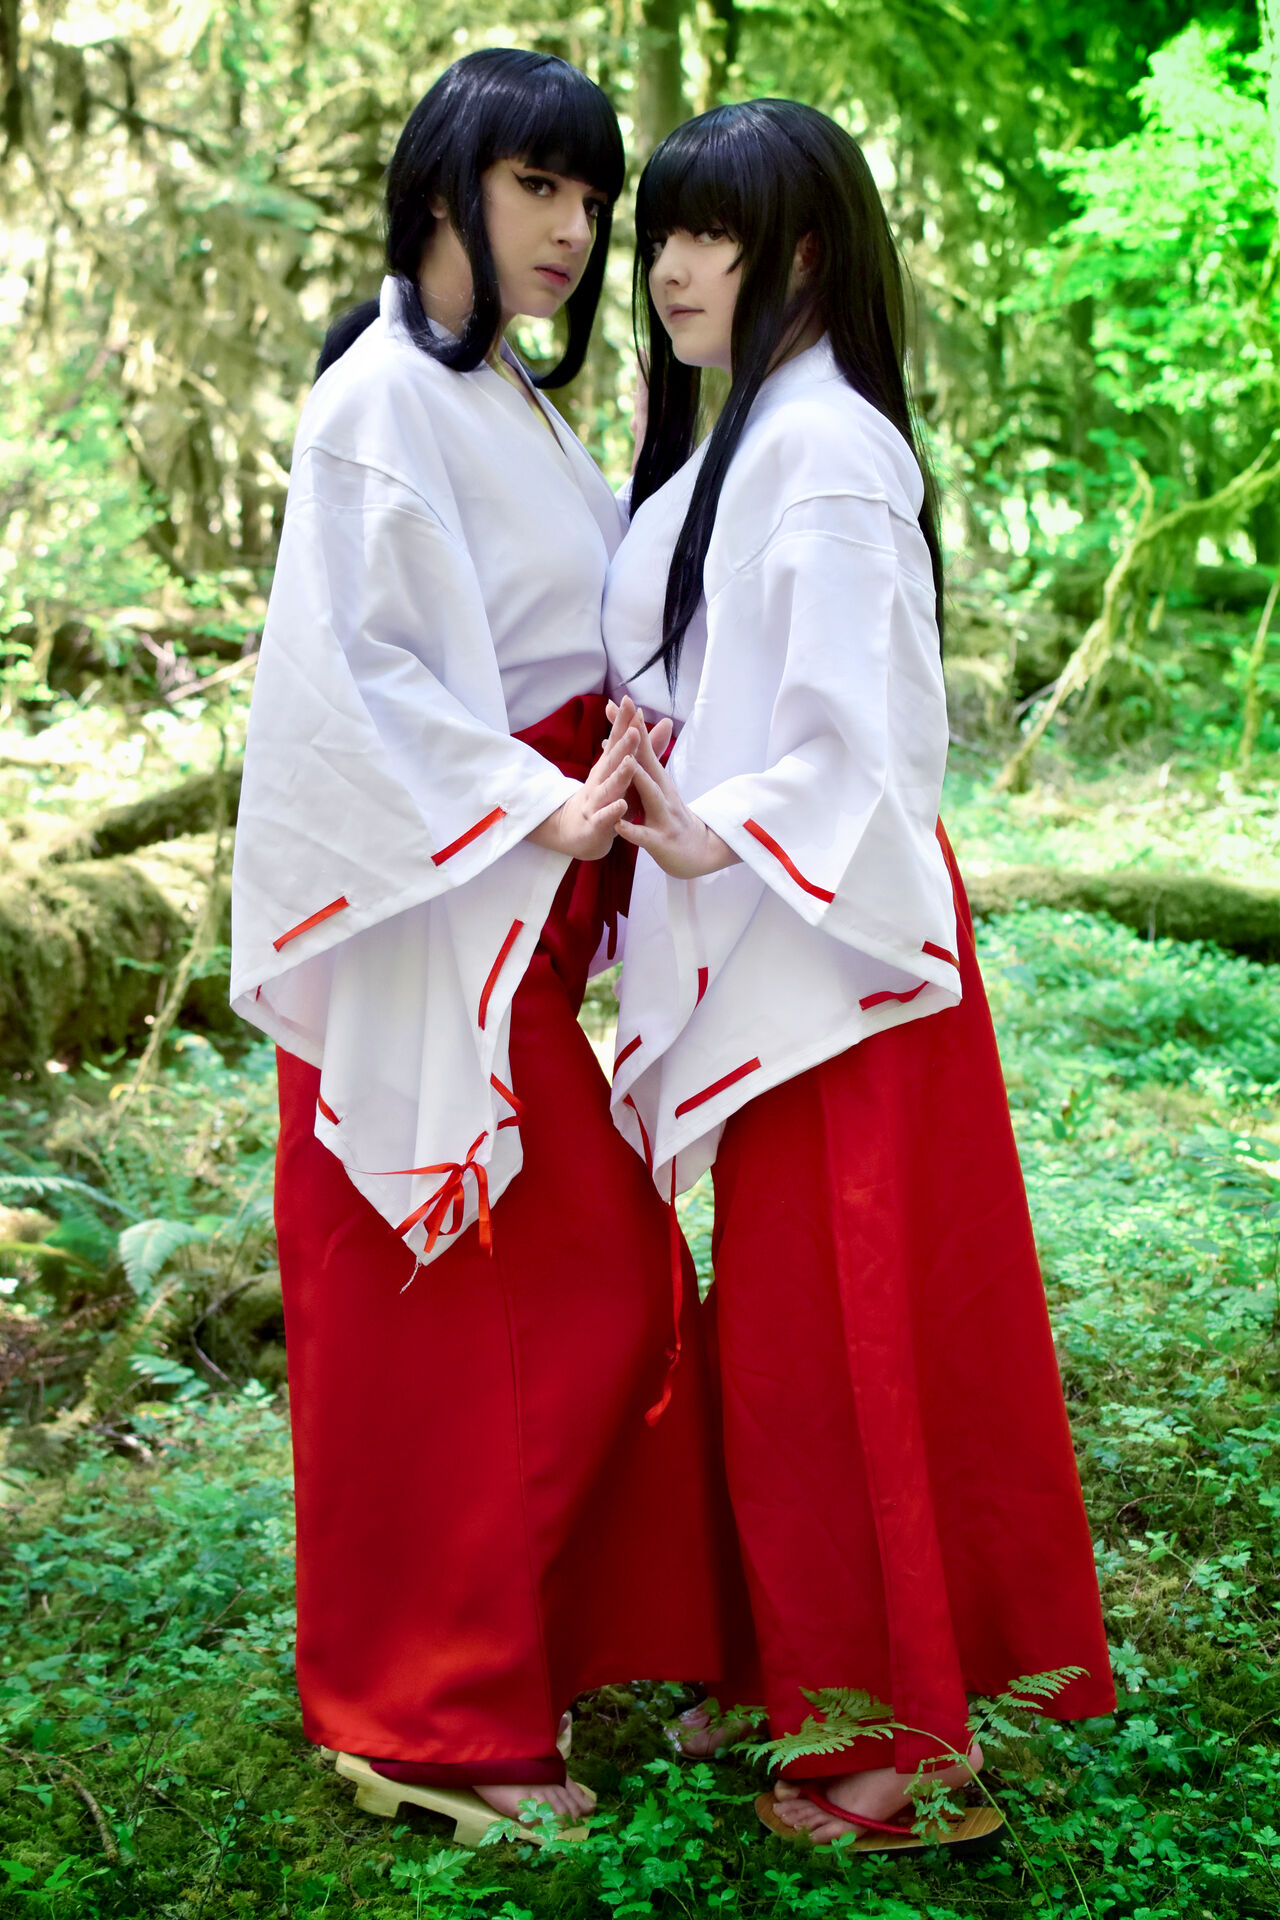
541,228
694,280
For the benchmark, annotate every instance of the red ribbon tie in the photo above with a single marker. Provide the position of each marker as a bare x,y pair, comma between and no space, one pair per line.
451,1195
516,1115
663,1401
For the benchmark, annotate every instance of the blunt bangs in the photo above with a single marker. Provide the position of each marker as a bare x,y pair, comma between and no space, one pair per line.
713,172
502,103
564,124
770,174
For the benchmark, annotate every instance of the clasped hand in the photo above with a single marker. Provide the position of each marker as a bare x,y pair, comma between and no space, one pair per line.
670,833
630,762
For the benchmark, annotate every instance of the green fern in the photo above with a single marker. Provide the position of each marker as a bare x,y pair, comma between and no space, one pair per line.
847,1714
147,1247
49,1186
992,1716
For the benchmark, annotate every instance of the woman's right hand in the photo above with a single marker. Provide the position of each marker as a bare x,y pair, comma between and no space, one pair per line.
585,825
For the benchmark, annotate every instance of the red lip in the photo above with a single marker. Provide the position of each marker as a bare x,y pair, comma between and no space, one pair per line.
556,274
680,313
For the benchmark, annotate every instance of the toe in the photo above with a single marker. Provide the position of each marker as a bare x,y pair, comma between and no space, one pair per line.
796,1812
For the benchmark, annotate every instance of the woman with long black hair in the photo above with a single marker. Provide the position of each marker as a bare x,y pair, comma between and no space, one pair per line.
496,1472
801,1007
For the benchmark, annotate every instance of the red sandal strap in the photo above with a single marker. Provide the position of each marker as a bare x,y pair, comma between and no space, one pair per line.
843,1813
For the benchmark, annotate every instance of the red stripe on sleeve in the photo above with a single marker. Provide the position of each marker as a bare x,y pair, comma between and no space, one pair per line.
517,1106
767,841
514,1118
327,1110
305,926
465,839
626,1053
877,999
940,953
703,977
627,1101
512,936
717,1086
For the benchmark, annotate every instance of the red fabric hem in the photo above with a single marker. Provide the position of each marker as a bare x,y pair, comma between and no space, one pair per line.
549,1771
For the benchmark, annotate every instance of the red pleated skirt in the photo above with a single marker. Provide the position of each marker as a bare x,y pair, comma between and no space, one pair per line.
899,1457
486,1524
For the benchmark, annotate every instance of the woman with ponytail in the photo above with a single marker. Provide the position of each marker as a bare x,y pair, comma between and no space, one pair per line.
495,1469
801,1008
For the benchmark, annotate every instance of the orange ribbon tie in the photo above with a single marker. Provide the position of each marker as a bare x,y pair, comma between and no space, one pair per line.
451,1195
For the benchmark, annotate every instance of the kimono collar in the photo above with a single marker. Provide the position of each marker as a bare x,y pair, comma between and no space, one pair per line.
391,310
817,362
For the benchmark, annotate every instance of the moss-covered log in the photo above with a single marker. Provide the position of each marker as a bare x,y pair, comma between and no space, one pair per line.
1171,906
85,954
86,950
189,807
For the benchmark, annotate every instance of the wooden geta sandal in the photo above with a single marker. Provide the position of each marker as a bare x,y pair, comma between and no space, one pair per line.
976,1827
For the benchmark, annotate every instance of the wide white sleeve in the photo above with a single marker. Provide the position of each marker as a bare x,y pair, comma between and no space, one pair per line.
824,670
379,770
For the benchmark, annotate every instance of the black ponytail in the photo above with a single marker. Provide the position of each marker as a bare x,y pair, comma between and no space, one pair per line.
344,332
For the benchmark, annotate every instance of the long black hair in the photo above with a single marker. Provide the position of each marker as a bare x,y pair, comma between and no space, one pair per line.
498,104
769,173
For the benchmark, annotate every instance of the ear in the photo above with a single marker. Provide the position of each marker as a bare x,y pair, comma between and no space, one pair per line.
806,258
438,209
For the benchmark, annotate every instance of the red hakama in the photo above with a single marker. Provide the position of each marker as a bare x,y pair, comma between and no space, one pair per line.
487,1525
899,1457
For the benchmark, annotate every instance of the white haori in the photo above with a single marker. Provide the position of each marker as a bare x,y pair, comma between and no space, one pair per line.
812,737
438,585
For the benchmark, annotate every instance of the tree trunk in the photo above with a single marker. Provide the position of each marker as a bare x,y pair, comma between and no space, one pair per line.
662,104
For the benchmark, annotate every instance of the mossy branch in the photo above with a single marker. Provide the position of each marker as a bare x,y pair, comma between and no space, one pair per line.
1152,534
1156,904
192,806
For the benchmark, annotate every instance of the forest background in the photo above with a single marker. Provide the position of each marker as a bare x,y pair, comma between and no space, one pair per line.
1086,194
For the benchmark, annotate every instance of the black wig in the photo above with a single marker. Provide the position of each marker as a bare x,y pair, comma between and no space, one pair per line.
769,173
498,104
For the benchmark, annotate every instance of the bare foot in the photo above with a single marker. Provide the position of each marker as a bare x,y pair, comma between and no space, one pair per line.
698,1734
880,1794
570,1803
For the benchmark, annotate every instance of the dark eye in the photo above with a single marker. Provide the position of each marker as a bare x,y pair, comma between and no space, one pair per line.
537,183
711,235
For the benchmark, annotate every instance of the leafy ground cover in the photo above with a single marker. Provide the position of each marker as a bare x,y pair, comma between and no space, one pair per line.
151,1760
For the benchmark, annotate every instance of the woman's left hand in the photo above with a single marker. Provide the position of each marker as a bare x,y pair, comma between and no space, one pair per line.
683,846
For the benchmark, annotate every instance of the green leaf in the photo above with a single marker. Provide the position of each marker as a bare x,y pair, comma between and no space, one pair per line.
147,1247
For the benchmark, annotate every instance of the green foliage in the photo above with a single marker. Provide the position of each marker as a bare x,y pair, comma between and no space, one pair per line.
72,511
148,1594
1171,240
147,1247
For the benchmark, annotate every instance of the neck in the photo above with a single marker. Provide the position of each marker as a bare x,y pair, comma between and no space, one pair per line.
805,332
446,289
